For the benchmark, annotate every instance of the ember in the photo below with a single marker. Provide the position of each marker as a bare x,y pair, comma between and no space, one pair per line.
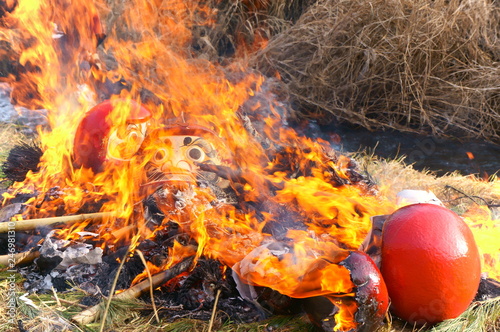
195,164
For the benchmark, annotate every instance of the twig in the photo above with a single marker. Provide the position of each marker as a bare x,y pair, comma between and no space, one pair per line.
472,198
112,290
91,314
76,304
30,224
235,176
214,310
223,171
150,284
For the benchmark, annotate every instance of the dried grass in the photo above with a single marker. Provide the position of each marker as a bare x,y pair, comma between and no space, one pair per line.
127,316
9,136
479,317
414,65
456,191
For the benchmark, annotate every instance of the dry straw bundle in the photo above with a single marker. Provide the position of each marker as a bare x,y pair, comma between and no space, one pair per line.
407,64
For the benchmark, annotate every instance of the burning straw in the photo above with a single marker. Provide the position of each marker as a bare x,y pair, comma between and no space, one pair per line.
405,64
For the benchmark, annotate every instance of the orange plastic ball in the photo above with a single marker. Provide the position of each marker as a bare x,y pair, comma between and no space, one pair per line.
430,263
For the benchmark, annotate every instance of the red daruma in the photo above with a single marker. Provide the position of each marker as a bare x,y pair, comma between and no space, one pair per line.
430,263
111,131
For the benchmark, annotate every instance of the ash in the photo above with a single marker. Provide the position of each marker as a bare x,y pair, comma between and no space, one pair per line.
61,261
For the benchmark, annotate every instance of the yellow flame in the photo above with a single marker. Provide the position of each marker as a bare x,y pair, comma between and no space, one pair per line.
486,232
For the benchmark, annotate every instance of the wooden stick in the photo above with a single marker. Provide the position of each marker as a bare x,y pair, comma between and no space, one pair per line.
30,224
92,314
236,176
76,304
19,258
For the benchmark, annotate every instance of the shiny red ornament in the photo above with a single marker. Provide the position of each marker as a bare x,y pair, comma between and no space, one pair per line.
105,135
430,263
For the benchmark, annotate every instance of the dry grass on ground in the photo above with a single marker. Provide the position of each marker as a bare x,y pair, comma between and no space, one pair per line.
9,136
454,190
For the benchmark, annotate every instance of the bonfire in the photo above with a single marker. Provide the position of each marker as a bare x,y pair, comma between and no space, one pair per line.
172,178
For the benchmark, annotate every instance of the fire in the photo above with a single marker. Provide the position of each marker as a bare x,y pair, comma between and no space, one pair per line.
486,230
225,115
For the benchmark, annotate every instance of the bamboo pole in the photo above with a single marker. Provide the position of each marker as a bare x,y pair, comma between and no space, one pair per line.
124,231
92,314
19,258
30,224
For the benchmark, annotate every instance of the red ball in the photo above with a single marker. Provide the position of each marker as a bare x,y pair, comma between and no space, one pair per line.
430,263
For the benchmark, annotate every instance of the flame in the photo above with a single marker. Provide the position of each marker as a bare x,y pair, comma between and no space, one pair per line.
486,230
149,52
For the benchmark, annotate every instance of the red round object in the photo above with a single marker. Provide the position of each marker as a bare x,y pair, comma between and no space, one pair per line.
91,140
430,263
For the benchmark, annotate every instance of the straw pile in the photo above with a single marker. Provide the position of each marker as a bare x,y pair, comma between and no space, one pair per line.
413,65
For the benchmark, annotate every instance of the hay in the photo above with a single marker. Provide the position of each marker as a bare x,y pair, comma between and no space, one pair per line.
413,65
456,191
476,318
